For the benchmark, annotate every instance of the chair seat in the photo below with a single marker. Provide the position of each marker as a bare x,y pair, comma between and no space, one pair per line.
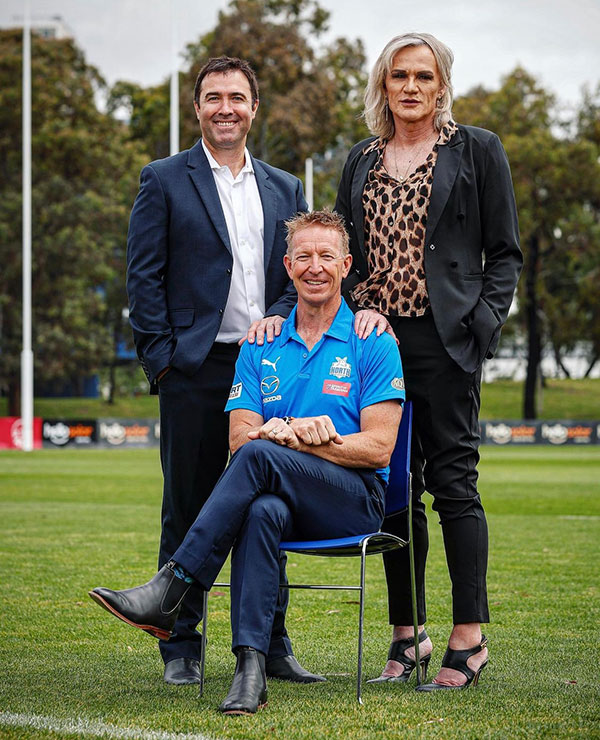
378,542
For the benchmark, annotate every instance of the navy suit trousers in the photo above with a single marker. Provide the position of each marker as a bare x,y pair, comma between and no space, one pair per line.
194,450
267,494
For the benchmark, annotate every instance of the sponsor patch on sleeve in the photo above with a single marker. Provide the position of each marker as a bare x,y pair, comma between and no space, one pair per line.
236,391
336,387
398,384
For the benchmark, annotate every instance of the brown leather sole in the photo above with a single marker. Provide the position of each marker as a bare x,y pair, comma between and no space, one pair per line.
154,631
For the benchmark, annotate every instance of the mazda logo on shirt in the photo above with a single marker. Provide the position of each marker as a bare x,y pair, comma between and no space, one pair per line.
269,385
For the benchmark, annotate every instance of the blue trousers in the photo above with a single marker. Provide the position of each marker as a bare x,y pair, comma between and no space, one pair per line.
267,494
194,447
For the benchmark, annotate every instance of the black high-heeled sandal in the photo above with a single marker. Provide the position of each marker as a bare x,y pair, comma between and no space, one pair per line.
457,659
397,653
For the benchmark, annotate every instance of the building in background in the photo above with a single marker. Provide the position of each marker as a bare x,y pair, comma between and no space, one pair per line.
50,27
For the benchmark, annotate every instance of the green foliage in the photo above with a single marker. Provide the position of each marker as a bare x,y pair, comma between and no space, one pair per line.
588,116
147,111
310,98
75,519
556,173
84,179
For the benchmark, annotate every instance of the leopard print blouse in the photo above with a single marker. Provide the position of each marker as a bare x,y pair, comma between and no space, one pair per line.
395,222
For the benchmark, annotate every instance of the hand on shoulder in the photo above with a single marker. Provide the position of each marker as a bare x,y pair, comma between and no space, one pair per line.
269,327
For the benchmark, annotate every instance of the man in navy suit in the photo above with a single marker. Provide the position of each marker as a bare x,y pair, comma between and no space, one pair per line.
204,263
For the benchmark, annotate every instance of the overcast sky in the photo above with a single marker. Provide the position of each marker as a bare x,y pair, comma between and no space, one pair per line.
556,40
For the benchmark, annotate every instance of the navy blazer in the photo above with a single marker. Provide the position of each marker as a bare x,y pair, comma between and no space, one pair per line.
179,258
472,257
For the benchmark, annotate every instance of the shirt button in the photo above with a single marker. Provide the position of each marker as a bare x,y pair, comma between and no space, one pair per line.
251,303
304,355
432,246
248,272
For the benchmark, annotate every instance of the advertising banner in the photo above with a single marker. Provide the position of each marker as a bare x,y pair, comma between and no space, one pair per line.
555,433
69,432
137,433
568,432
11,433
128,432
509,432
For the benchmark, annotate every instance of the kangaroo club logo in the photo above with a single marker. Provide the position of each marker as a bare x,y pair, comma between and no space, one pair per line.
340,368
269,385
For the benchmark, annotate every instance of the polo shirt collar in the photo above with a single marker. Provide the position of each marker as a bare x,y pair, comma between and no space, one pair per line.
340,328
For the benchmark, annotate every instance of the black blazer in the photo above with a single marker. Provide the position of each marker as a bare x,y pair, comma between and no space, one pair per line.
179,258
472,257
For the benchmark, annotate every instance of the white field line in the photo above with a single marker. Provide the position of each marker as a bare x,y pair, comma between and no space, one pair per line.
93,728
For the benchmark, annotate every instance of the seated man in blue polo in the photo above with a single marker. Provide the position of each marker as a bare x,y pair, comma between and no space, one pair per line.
314,418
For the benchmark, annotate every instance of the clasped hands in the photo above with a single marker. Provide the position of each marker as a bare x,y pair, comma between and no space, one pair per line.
309,430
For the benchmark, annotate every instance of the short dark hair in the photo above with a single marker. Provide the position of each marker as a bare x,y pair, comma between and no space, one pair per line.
222,65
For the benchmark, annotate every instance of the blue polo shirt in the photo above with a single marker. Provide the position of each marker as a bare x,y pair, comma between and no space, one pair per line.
339,376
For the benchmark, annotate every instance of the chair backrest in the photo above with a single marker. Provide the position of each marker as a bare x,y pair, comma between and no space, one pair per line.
396,497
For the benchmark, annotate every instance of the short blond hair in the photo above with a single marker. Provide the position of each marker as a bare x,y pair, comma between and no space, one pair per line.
376,99
328,219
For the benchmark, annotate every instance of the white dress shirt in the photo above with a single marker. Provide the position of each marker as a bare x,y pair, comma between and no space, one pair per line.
242,207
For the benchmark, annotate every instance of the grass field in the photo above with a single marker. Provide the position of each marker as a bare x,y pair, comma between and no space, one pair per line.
502,399
74,519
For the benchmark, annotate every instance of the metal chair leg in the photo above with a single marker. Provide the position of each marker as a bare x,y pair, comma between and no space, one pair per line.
361,620
203,640
413,585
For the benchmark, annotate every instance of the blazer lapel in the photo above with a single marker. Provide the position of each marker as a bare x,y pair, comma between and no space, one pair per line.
444,175
203,180
363,167
268,196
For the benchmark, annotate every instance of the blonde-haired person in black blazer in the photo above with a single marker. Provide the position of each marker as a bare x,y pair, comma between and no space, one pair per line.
434,237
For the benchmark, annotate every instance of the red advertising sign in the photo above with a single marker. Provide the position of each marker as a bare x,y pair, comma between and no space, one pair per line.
11,433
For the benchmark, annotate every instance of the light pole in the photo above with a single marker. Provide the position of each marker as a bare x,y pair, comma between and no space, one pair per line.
174,92
308,182
27,352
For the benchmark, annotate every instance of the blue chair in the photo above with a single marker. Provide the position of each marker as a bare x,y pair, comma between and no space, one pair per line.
398,500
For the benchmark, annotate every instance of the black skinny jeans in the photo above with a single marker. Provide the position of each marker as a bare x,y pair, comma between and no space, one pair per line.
444,462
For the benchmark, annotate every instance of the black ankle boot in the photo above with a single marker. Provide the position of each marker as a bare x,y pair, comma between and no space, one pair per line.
152,607
248,691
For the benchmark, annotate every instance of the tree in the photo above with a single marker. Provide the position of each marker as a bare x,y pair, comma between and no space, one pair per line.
310,99
84,179
588,129
572,304
557,182
147,112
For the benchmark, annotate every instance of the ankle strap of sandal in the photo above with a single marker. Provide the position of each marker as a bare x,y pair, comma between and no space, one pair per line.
398,648
457,659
